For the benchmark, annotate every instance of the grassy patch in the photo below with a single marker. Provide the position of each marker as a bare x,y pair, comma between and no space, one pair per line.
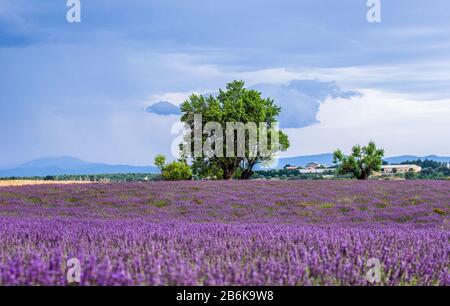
72,200
160,203
381,205
197,201
35,200
344,209
124,196
440,211
305,204
327,205
270,209
237,206
10,195
303,213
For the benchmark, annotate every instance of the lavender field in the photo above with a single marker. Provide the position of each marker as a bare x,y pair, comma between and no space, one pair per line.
226,233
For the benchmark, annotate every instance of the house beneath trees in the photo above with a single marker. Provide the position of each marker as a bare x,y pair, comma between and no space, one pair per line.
309,168
289,167
399,169
312,166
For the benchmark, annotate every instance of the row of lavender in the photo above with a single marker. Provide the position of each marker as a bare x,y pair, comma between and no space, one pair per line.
236,233
421,203
128,253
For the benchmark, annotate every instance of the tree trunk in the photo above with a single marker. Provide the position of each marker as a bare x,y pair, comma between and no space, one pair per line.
228,172
363,176
247,173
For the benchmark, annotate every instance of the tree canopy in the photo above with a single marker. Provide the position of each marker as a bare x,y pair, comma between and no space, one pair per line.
160,160
235,104
177,171
362,161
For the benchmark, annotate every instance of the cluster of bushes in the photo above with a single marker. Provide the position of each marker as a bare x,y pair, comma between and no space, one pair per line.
175,171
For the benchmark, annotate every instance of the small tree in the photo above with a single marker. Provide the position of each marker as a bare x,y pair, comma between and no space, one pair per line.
177,171
160,160
362,161
410,175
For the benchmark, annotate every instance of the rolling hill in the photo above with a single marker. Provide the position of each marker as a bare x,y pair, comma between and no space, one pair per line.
72,166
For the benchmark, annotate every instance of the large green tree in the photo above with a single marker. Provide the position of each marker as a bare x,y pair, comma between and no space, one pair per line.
234,104
362,161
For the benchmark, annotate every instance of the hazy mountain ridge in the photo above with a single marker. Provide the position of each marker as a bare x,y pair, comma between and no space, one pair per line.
73,166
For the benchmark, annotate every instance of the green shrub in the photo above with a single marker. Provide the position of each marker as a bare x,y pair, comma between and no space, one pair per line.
176,171
161,203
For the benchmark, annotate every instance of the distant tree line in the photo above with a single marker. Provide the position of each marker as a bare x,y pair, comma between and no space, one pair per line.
119,177
430,170
285,174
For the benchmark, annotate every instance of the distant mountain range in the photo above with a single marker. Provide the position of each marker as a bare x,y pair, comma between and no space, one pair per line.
73,166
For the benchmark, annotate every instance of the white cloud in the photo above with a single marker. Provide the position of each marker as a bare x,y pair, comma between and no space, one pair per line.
185,65
398,124
269,76
424,80
173,97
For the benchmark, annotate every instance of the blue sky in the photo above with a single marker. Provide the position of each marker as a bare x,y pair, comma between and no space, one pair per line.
85,89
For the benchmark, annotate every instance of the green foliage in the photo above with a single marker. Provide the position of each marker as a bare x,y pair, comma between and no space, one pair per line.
117,177
160,160
285,174
161,203
204,168
234,104
176,171
362,161
327,205
430,170
440,211
410,175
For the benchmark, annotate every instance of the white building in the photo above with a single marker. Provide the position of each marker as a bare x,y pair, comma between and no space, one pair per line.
394,169
291,168
313,171
313,165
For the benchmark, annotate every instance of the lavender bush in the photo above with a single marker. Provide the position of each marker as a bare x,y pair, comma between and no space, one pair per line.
226,233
